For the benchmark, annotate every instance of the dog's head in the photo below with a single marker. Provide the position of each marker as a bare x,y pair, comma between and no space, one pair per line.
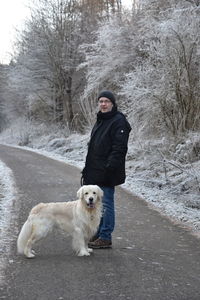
90,194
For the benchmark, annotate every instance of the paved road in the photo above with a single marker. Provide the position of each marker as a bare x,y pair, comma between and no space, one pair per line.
151,257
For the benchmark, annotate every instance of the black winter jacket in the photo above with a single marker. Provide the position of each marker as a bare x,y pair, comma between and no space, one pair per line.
105,160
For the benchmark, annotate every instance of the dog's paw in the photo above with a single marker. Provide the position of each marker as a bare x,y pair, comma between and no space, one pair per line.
83,253
90,250
30,254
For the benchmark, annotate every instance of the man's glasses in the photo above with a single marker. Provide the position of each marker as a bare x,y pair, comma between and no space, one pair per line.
104,101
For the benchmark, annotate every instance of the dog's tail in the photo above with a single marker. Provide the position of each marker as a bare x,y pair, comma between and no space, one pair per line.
24,236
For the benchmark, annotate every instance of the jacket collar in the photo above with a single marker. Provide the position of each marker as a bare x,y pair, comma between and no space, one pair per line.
107,115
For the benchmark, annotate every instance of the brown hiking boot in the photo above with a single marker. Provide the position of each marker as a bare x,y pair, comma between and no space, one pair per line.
100,244
94,238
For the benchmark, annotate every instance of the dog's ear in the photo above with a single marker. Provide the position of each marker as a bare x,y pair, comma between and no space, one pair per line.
100,192
80,193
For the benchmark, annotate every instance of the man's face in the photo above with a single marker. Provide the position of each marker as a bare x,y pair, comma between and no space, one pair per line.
105,105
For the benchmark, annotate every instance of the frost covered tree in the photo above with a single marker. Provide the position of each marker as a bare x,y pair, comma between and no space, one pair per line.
100,8
48,56
3,84
164,87
45,75
106,60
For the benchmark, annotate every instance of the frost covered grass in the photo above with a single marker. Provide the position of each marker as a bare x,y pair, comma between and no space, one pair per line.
168,180
7,195
164,173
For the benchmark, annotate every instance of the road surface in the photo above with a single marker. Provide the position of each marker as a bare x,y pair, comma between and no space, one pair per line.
151,258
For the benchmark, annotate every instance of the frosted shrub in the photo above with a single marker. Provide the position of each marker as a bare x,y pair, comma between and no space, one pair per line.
188,151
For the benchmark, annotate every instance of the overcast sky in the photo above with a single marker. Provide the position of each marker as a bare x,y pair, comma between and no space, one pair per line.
12,15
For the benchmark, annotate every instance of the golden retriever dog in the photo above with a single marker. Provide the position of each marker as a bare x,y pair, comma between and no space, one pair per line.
79,218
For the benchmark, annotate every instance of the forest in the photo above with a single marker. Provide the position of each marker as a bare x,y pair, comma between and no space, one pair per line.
148,55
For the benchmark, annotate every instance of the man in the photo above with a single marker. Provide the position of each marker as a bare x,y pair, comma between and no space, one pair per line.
105,162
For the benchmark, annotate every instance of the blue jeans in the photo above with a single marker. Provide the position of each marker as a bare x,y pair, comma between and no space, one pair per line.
107,223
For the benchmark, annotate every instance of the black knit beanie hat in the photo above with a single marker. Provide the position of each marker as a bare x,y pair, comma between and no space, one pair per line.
109,95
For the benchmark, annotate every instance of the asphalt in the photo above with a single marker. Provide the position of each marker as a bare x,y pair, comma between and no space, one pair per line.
152,258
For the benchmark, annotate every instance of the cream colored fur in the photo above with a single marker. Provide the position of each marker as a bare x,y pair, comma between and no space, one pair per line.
79,218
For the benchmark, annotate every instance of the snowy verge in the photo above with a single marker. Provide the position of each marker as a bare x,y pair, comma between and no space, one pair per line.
7,196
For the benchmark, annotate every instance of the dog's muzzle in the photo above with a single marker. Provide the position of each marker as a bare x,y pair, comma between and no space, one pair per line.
91,203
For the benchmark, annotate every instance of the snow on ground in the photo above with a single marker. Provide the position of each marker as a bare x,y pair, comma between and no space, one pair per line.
172,192
165,186
7,196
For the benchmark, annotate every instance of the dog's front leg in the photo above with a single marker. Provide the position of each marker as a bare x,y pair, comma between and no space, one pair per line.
78,243
90,250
